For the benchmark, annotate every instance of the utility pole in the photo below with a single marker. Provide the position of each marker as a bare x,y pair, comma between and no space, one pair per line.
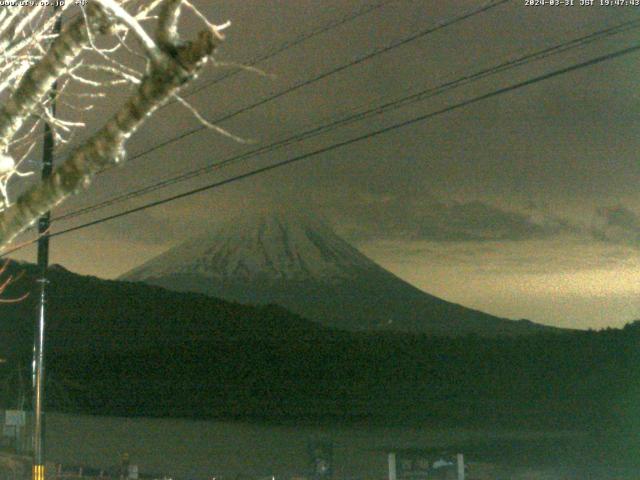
43,263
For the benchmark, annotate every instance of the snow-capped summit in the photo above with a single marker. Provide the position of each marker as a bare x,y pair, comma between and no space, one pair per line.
293,259
265,246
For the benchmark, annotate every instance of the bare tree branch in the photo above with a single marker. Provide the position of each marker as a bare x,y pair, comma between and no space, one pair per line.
37,81
174,63
8,280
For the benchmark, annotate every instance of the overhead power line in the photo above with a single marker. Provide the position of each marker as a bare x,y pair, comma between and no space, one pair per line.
366,57
396,126
286,45
357,61
377,110
379,51
332,24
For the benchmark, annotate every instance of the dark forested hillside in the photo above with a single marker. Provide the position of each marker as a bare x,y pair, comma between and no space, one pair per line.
128,349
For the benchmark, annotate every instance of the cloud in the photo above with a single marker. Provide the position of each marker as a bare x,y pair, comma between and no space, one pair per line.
617,224
473,221
478,221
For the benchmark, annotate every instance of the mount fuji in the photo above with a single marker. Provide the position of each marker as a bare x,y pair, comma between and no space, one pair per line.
294,260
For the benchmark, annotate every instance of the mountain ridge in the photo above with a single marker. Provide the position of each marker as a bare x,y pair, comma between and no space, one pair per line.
126,348
295,260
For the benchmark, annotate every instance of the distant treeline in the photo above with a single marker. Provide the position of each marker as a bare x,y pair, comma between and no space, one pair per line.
570,380
120,348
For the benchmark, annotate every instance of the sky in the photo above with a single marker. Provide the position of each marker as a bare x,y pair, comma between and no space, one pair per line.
523,205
